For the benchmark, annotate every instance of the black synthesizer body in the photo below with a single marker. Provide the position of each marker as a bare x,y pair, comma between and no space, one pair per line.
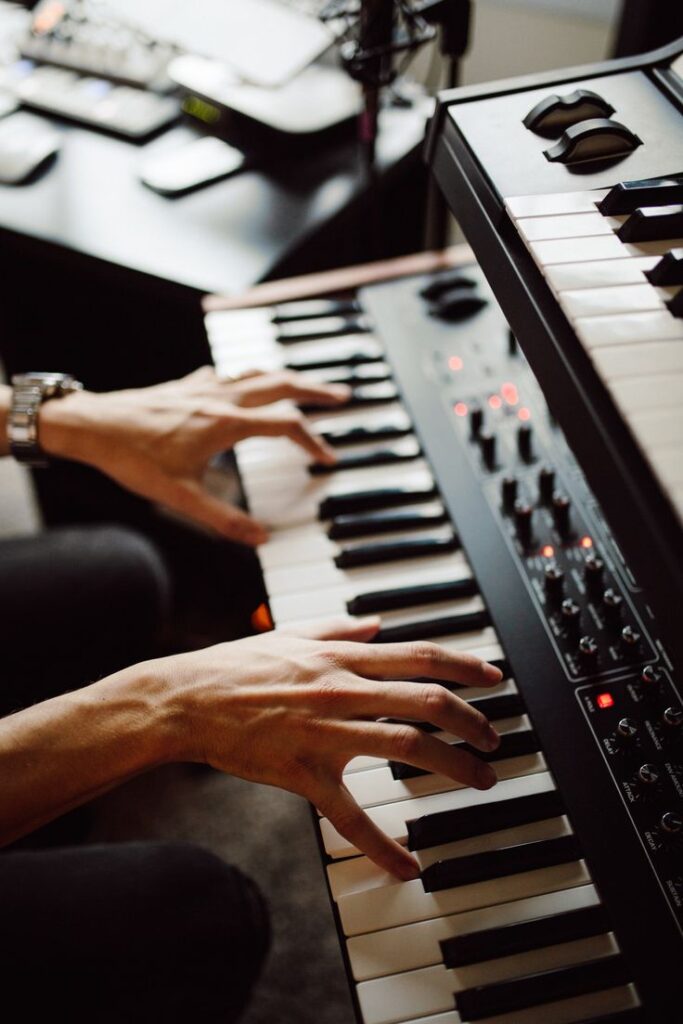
458,511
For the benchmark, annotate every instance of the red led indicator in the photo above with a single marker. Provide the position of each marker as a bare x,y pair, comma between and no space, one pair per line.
586,542
524,413
509,393
495,401
548,551
460,409
455,363
605,700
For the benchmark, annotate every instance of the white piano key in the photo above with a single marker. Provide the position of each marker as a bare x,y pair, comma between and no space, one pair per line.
597,247
296,607
572,225
575,1010
655,427
311,577
392,818
406,902
467,642
650,392
599,273
668,464
230,323
335,347
394,950
343,418
348,480
378,786
638,360
554,204
619,299
621,329
289,462
431,989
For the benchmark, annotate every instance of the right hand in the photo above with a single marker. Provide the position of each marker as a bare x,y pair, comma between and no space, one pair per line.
293,711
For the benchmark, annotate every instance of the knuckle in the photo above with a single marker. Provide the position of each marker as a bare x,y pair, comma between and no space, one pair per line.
436,699
425,650
407,742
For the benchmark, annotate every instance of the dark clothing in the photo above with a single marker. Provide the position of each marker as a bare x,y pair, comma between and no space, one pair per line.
109,934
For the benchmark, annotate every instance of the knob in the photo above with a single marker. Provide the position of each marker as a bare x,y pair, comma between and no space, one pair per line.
561,505
612,606
571,615
593,570
487,443
650,678
671,822
525,442
524,522
627,728
509,490
588,653
554,582
546,484
648,774
512,343
476,420
673,718
630,639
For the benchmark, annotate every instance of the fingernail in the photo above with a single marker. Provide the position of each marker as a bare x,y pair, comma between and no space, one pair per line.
369,621
486,776
409,871
492,673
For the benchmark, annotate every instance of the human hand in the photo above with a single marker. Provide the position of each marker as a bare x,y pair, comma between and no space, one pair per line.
158,441
293,711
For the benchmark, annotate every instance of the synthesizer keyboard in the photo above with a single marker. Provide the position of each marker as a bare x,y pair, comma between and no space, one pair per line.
458,512
579,231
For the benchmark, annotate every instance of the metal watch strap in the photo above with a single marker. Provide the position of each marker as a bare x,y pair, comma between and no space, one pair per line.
29,391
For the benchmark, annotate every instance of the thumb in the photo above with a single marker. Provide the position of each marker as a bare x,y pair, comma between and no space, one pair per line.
341,627
193,501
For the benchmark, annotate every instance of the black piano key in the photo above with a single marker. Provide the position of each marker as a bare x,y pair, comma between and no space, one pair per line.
444,282
363,375
546,987
380,457
359,357
512,744
367,501
653,224
407,597
669,270
362,395
675,305
314,309
324,327
365,435
504,665
512,860
465,822
634,1016
348,526
523,936
505,705
628,196
393,551
446,625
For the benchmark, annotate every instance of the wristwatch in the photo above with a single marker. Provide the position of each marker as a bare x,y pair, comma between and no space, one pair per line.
29,391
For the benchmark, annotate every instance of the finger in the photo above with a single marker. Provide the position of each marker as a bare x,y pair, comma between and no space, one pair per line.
406,661
336,804
291,425
422,702
232,523
316,393
409,745
342,627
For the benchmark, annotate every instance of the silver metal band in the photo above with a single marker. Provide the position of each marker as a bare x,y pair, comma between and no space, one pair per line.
29,391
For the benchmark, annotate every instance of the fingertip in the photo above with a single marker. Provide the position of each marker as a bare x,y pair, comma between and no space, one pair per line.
491,673
486,777
340,392
407,869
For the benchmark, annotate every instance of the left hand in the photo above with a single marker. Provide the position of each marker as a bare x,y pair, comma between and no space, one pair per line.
158,441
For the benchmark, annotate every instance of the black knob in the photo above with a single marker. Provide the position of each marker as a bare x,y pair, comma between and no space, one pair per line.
588,653
612,606
630,639
648,774
524,522
593,570
673,718
487,443
554,582
512,343
571,615
476,420
546,484
650,678
671,822
509,491
561,505
627,728
525,442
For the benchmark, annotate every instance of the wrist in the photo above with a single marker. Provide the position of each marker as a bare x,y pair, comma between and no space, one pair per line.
65,425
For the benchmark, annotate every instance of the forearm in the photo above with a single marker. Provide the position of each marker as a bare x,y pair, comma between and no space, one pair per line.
63,752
